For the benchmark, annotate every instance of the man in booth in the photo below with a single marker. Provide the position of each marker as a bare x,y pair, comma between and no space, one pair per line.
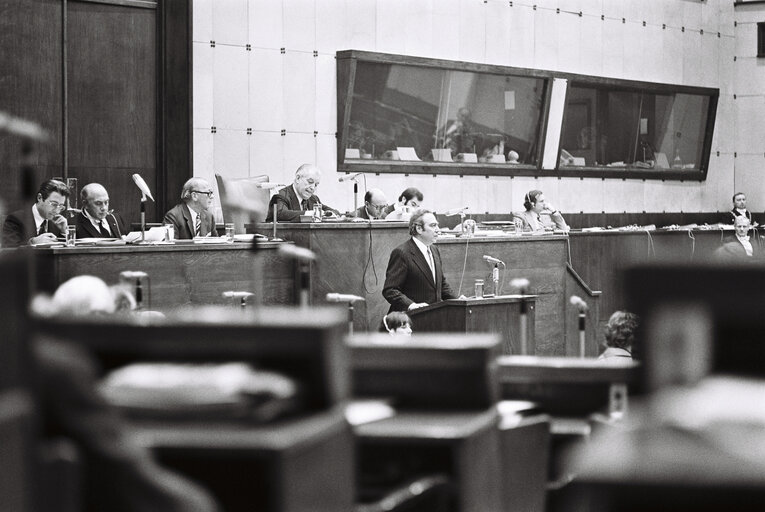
48,223
415,275
96,220
191,217
299,198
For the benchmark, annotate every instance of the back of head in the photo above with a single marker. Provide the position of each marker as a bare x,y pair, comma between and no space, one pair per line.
396,320
82,296
621,328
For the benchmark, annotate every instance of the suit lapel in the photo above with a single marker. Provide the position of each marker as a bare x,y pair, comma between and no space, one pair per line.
88,226
294,199
189,222
419,260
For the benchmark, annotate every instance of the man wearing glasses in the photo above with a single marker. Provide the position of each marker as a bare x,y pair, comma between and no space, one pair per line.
96,220
299,198
375,203
415,275
191,217
48,223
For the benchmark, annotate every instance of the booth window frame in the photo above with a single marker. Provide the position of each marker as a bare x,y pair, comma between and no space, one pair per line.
347,66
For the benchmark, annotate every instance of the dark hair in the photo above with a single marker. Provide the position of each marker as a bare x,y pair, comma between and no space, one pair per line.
531,198
50,186
620,329
416,220
409,194
737,194
368,196
396,319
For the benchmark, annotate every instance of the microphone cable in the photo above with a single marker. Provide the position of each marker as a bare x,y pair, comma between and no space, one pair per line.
370,262
464,265
693,243
651,248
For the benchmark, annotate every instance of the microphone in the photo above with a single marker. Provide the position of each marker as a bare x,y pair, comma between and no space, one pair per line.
237,295
493,260
521,284
456,211
270,185
349,177
577,301
343,297
133,274
143,186
299,253
22,128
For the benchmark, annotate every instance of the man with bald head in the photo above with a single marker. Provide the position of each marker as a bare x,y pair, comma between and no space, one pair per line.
96,220
299,198
191,217
375,203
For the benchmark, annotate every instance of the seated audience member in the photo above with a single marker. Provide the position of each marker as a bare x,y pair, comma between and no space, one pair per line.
620,336
299,199
375,203
96,220
739,247
117,473
398,323
536,204
191,217
48,225
739,208
409,200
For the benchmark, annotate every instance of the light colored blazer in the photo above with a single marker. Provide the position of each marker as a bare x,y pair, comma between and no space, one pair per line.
532,222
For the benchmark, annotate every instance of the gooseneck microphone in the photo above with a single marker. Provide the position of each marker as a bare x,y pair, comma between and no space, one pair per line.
456,211
343,297
349,177
143,186
493,260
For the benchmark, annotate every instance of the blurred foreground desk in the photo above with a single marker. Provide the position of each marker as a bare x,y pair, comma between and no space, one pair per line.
181,274
353,258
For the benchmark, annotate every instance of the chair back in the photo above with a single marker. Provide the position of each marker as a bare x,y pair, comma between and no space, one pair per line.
241,200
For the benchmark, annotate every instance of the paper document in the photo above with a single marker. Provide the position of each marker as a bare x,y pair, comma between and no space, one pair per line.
155,234
407,153
442,155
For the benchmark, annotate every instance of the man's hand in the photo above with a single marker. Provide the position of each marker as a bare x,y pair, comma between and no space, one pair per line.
415,305
44,238
60,222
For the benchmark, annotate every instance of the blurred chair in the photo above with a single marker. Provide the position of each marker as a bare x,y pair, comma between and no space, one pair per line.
242,200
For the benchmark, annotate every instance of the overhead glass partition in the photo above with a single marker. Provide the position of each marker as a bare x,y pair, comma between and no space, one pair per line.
608,128
405,116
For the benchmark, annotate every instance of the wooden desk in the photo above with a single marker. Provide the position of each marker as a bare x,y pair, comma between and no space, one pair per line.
180,275
353,258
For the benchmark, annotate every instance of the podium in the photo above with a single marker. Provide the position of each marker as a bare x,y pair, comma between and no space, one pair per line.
493,314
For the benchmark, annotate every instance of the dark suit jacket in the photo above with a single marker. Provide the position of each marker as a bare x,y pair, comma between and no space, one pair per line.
180,217
361,212
15,233
86,229
288,206
408,278
733,250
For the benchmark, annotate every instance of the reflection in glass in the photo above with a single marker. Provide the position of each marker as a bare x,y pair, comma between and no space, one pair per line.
405,112
636,129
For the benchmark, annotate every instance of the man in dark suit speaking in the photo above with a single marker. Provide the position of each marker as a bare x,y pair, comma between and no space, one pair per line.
415,276
299,198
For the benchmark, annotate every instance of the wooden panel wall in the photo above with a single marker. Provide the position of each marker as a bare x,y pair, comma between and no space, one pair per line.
112,76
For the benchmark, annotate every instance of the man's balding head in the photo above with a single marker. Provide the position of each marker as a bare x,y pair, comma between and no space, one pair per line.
307,179
95,200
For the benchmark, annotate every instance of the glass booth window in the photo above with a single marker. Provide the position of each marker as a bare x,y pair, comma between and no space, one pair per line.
608,128
412,113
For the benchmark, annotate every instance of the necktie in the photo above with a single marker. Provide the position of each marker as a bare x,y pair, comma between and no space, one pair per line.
104,230
43,228
304,204
198,226
431,264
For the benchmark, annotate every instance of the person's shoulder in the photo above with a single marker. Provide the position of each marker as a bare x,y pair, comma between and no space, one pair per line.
175,211
15,217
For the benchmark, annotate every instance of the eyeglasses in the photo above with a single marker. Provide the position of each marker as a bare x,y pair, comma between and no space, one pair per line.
55,205
209,194
311,181
377,206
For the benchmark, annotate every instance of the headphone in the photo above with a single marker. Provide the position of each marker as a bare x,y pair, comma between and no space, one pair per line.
527,202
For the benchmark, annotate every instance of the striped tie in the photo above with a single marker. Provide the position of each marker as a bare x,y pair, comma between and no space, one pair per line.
198,226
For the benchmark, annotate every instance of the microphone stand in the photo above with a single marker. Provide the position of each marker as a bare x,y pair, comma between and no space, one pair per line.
143,218
495,279
582,317
355,200
273,238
